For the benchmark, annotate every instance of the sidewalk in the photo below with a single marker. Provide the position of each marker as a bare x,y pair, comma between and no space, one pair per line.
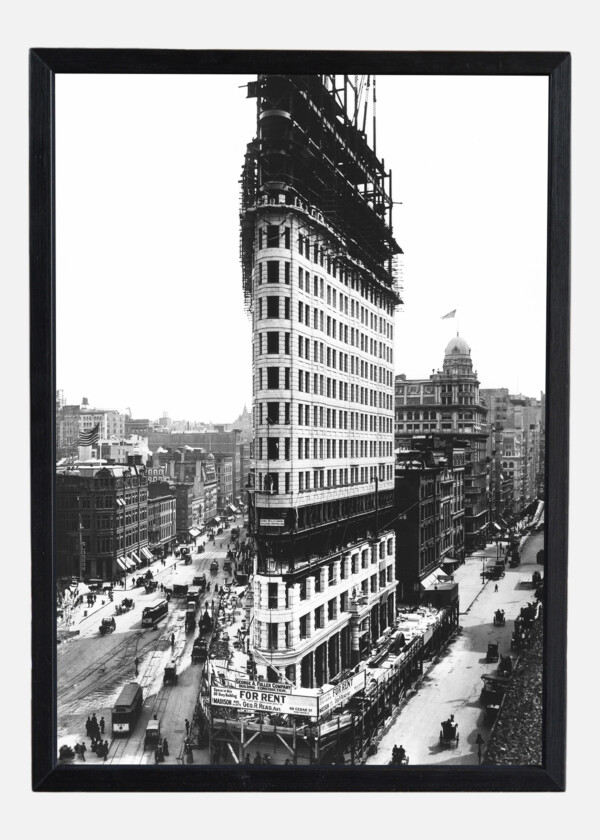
104,601
468,576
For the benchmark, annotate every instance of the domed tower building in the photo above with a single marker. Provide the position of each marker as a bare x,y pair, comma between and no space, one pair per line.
446,410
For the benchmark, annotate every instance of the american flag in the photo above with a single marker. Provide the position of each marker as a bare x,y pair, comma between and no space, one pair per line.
91,437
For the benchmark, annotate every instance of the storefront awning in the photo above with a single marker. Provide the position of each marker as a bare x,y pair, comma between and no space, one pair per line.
194,532
122,563
147,554
136,559
431,579
497,527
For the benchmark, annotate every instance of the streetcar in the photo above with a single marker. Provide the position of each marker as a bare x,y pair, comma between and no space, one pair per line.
152,615
126,710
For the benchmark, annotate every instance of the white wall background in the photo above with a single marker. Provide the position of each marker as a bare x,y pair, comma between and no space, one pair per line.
462,25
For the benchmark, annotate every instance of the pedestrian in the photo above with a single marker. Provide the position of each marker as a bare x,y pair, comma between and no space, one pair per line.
102,724
82,750
187,727
156,756
208,587
88,726
137,666
257,758
172,640
248,758
266,759
94,724
165,747
496,588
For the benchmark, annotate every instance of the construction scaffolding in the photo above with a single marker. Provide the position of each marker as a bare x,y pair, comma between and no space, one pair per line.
312,155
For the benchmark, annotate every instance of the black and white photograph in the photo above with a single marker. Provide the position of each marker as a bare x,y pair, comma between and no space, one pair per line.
301,461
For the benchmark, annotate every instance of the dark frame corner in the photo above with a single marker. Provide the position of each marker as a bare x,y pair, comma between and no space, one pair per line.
44,64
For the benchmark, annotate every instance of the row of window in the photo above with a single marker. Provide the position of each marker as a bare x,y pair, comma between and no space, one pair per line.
278,307
279,236
272,343
276,449
318,618
329,418
280,483
345,304
271,379
104,545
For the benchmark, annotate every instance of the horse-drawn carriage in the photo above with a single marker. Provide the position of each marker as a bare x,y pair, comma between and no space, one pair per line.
125,605
214,566
492,652
399,756
199,650
170,674
449,733
520,637
227,566
499,618
151,586
206,622
190,617
505,666
492,694
107,625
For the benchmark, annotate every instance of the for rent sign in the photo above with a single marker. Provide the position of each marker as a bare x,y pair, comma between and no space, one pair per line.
261,700
340,693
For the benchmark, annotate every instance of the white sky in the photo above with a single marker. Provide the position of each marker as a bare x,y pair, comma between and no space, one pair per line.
149,296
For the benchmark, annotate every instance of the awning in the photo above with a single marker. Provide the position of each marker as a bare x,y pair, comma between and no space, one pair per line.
497,527
147,554
451,562
194,532
231,509
136,559
121,563
431,579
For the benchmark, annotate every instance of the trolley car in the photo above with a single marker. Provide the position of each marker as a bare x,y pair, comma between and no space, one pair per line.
126,710
155,613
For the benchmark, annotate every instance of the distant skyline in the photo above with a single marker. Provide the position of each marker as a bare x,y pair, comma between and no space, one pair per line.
149,295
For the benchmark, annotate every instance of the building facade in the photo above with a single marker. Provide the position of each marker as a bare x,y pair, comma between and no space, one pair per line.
429,521
224,474
73,420
448,403
317,259
518,429
101,520
218,441
162,518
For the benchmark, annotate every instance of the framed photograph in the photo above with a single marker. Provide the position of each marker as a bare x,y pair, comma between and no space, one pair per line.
299,406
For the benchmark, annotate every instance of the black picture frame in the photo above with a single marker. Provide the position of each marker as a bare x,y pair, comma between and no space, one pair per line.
47,775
